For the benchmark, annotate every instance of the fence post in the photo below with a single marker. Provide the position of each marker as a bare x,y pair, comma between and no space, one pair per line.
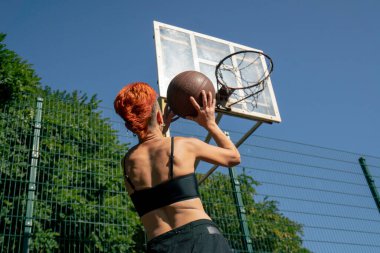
240,209
370,182
32,176
238,199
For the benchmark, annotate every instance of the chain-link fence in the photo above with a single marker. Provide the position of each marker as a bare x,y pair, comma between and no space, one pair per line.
62,188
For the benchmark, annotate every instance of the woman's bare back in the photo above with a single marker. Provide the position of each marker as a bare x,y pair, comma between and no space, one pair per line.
148,165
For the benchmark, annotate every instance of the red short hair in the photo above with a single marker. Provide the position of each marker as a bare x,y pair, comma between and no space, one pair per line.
134,103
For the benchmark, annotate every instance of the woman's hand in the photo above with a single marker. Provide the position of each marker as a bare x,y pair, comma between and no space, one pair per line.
226,154
205,114
167,117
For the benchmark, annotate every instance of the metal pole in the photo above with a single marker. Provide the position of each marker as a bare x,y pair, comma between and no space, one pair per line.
370,182
240,209
32,177
237,144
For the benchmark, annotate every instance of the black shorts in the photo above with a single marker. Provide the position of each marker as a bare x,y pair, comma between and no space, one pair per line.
201,236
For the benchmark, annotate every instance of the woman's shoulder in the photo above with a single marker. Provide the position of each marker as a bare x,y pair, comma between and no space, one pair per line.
189,142
130,153
146,148
185,139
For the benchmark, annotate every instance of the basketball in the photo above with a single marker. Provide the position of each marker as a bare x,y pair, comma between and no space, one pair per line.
184,85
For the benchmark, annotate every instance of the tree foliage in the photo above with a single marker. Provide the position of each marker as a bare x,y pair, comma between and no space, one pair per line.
80,204
270,231
17,78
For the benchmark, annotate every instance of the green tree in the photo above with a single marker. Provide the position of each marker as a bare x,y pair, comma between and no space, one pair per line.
17,78
270,231
80,203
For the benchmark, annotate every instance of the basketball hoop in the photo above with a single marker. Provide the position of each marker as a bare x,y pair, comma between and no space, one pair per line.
242,75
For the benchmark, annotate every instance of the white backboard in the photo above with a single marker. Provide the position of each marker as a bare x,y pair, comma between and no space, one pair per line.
178,50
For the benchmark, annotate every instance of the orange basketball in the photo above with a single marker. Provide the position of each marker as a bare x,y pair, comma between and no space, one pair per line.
184,85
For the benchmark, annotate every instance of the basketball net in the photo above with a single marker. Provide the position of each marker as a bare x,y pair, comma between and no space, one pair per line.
242,76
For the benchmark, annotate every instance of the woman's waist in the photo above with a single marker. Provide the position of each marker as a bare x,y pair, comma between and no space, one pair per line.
168,218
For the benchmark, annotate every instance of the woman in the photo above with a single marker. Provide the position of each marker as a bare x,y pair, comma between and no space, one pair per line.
159,172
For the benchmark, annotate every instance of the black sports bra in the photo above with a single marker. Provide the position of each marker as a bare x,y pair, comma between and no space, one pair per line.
166,193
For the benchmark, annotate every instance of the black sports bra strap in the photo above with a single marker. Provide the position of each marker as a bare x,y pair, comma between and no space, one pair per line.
171,158
130,183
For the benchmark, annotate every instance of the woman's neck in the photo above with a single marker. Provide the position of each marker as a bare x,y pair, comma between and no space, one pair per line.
152,134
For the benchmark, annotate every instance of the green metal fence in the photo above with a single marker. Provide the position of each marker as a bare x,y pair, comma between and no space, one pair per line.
62,188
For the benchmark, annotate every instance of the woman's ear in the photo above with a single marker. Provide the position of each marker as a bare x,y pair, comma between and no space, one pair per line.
160,119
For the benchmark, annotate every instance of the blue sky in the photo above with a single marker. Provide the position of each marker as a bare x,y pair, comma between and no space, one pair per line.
325,52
